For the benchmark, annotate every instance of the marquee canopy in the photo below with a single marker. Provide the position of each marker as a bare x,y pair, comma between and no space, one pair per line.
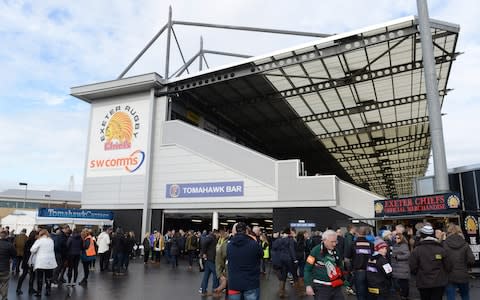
358,97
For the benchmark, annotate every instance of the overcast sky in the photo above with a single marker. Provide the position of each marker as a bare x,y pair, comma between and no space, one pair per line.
47,47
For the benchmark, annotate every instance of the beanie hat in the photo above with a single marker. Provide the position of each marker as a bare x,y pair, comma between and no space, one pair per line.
379,244
427,230
385,233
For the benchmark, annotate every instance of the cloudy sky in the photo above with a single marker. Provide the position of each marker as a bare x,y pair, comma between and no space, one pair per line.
47,47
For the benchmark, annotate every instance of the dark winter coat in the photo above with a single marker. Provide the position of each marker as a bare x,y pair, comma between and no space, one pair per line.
174,247
27,253
244,255
378,275
74,244
7,251
361,251
430,262
461,256
60,243
340,247
146,245
300,249
119,244
283,252
400,256
209,244
348,245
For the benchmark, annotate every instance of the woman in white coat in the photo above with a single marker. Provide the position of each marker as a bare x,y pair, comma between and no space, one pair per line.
44,263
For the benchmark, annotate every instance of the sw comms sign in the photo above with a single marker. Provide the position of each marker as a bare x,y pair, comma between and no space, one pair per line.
118,139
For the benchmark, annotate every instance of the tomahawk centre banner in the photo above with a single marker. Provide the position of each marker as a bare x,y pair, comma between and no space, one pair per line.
205,189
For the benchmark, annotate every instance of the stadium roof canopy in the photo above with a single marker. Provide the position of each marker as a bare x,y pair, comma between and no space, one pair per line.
358,95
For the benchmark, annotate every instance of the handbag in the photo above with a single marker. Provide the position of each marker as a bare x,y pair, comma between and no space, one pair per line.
31,259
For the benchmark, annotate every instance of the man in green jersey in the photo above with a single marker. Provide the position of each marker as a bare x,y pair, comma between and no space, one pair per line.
323,270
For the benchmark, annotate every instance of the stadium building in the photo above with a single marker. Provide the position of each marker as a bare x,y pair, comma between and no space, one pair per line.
306,137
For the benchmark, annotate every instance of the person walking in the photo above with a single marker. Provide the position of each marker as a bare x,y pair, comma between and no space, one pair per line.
103,242
191,246
146,247
87,254
158,247
208,253
430,263
19,244
284,260
26,266
221,261
174,249
401,269
379,272
60,246
45,261
7,252
266,252
360,252
74,250
323,270
462,258
243,255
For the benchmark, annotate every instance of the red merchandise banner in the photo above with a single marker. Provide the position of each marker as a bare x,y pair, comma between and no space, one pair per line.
438,203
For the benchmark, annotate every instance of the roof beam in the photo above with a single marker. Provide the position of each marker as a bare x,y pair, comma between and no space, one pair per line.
364,106
374,127
359,77
384,153
337,47
387,163
379,142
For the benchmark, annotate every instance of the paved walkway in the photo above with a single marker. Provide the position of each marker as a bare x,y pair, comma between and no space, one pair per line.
160,282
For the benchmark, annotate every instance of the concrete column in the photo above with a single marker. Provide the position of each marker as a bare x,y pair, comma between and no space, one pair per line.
215,220
434,112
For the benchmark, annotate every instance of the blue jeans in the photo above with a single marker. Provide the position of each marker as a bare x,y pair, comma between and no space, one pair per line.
209,269
360,281
464,291
247,295
117,262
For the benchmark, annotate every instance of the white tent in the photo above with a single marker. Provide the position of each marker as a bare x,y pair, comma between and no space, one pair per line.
20,219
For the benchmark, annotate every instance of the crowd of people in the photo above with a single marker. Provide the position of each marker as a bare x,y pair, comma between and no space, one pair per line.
47,256
325,265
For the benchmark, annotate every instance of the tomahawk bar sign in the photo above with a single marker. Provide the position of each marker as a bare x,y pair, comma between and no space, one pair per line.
205,189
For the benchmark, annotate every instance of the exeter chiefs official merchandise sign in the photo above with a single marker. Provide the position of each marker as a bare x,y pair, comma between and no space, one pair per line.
430,204
118,139
205,189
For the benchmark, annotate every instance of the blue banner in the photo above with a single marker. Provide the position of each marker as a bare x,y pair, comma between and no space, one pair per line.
205,189
303,225
75,213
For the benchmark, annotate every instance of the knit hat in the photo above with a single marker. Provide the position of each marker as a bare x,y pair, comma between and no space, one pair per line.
385,233
427,230
379,244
